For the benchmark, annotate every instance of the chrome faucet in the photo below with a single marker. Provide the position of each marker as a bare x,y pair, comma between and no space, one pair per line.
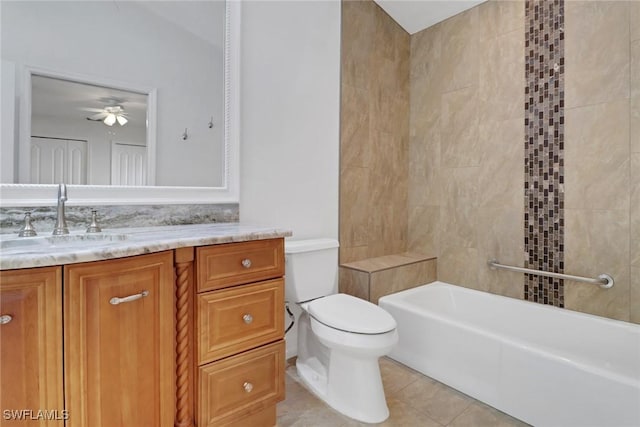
61,221
27,229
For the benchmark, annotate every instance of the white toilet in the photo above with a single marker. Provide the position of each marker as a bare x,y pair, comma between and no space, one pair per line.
340,337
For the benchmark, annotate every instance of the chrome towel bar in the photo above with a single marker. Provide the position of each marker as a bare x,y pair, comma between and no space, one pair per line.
604,280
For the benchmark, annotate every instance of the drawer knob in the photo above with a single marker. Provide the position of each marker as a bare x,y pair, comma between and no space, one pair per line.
246,263
5,319
247,318
247,387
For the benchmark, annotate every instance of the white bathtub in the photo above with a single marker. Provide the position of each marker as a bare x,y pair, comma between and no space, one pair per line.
544,365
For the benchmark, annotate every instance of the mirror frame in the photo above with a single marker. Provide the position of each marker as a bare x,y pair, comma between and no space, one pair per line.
92,195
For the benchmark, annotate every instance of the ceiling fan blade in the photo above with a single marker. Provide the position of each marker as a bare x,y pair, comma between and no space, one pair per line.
98,116
93,110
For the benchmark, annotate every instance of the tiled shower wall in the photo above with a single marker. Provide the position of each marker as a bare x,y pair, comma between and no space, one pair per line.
374,133
466,170
602,200
465,151
634,148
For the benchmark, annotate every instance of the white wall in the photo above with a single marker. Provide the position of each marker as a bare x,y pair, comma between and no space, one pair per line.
290,98
123,42
7,121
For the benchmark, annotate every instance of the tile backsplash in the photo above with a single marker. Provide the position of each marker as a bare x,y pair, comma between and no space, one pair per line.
116,216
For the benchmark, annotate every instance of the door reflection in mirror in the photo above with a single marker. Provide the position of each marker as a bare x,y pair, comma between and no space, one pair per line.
73,128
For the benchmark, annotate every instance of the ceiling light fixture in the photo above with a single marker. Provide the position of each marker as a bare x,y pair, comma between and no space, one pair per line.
110,119
110,115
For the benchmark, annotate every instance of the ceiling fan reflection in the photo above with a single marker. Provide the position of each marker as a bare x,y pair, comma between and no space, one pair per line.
109,115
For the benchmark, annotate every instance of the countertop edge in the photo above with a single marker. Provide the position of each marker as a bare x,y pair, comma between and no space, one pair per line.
142,241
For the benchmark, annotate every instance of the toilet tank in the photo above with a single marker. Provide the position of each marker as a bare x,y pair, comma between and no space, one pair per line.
311,269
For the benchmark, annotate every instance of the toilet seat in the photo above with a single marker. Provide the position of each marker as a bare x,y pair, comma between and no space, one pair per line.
350,314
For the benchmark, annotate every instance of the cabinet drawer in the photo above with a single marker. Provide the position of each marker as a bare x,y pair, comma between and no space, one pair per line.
241,385
237,319
221,266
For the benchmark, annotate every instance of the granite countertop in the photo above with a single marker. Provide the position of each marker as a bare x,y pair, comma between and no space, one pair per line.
123,242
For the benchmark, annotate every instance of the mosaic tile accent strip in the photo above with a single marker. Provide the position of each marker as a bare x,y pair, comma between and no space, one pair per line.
544,149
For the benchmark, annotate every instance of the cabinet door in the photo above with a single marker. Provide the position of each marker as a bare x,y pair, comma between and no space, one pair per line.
31,347
119,355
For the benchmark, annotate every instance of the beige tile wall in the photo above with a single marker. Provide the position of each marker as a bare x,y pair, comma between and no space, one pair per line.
449,182
634,140
599,166
374,133
466,143
466,168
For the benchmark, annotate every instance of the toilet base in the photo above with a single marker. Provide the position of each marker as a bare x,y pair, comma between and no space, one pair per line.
349,383
355,389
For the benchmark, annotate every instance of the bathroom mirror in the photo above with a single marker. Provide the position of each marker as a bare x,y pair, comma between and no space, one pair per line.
180,58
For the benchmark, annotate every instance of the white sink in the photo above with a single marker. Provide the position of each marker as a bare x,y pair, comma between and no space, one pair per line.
74,240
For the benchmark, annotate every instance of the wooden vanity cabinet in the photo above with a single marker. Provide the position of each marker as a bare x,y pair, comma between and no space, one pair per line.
187,337
31,347
240,333
119,342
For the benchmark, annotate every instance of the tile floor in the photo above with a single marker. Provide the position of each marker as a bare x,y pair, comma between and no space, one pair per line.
414,400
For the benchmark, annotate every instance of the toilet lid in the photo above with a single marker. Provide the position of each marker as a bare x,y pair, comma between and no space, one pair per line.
351,314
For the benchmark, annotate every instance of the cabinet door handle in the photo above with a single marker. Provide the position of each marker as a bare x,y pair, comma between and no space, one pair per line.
247,318
5,319
246,263
116,300
247,386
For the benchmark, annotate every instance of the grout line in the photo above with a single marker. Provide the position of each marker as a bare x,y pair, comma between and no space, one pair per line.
460,414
